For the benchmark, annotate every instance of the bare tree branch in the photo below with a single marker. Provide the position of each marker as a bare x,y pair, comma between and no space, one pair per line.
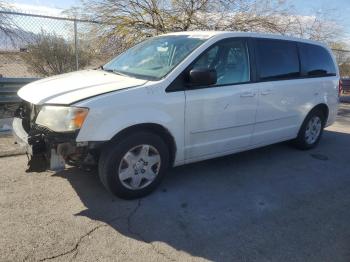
126,22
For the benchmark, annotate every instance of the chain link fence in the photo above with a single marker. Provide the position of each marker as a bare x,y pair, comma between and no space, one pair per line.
37,45
343,59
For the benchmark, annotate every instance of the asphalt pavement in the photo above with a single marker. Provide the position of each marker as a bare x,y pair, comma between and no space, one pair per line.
271,204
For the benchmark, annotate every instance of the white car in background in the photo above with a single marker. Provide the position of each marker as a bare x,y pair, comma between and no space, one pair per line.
176,99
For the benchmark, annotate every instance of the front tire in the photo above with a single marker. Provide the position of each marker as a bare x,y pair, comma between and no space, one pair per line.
133,166
311,130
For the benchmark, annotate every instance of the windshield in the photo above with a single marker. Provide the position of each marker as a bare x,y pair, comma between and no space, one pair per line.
156,57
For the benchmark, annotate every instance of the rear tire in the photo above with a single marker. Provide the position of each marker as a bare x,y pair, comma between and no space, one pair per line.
134,166
311,130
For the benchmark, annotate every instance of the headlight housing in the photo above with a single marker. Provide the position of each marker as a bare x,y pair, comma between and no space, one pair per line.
62,118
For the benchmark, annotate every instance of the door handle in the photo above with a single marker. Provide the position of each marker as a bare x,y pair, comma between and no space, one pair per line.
247,94
266,92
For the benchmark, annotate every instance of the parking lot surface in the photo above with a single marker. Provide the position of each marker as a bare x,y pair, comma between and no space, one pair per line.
271,204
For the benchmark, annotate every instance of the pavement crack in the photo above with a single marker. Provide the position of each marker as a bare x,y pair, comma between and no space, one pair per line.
137,234
74,250
130,216
76,246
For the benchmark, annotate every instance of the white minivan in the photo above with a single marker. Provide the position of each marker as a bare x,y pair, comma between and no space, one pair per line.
179,98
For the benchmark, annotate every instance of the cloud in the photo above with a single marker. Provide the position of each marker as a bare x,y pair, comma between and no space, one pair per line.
35,9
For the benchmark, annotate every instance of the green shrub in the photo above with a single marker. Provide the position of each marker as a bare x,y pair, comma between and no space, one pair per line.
50,54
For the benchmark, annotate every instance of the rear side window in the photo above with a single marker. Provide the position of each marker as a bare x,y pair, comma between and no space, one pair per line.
315,61
277,59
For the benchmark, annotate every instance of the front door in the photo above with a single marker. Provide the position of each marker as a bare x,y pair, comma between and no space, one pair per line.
219,119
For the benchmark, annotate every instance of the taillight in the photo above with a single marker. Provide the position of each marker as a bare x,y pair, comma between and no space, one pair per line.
340,87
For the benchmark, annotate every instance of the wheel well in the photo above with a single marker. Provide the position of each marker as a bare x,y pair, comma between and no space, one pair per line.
323,108
154,128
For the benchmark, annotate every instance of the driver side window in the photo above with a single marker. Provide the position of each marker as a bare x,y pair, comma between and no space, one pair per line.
230,60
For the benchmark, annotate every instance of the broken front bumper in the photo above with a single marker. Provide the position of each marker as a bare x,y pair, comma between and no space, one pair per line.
50,150
21,135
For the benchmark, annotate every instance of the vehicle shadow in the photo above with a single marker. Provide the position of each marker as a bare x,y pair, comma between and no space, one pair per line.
274,203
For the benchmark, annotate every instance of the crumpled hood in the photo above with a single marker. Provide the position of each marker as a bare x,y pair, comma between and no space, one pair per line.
76,86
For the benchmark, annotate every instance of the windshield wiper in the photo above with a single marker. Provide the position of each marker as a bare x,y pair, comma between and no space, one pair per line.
111,70
124,74
105,69
117,72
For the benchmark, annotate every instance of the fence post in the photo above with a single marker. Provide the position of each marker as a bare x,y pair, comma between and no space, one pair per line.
76,44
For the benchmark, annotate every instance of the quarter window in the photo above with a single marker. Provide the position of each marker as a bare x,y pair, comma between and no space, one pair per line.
277,60
230,60
316,61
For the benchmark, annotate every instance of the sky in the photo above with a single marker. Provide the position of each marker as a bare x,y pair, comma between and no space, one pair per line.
341,8
60,4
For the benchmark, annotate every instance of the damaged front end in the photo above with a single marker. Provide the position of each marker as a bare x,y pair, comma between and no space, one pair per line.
48,149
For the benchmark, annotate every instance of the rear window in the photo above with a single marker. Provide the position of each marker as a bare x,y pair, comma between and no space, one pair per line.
277,59
316,61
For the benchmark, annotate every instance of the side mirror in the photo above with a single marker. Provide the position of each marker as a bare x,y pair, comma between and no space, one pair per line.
202,77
